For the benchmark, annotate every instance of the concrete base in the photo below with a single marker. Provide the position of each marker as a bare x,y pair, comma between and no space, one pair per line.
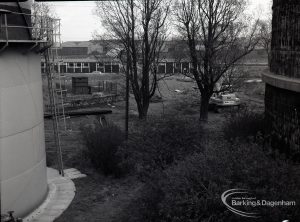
60,195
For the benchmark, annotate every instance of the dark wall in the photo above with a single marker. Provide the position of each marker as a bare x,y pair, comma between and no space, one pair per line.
70,70
107,68
185,66
115,68
285,57
16,20
161,69
282,106
85,70
92,66
78,70
80,85
282,109
169,67
73,51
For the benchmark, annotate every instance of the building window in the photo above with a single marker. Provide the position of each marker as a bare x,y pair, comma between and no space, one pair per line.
99,65
71,65
85,65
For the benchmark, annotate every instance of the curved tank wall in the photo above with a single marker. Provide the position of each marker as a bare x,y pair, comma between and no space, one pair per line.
23,173
282,97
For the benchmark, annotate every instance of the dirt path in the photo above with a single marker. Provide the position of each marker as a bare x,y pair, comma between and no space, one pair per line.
100,199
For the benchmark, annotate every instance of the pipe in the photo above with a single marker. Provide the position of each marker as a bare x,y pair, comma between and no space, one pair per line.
82,113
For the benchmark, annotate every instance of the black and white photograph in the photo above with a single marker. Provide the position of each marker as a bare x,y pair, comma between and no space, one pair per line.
150,110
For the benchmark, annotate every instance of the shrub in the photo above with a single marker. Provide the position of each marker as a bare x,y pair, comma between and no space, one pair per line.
243,125
191,190
158,142
102,145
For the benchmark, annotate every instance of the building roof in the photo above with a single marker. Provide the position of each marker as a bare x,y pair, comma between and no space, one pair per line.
76,44
108,50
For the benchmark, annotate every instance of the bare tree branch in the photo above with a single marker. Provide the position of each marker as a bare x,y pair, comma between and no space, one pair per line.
218,37
139,25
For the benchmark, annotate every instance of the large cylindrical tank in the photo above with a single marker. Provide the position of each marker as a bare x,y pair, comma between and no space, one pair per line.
282,98
23,173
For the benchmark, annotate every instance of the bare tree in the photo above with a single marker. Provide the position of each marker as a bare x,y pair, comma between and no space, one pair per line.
265,24
217,37
42,18
265,36
140,26
41,9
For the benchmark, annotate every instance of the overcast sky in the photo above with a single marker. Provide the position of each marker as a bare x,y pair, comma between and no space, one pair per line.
79,22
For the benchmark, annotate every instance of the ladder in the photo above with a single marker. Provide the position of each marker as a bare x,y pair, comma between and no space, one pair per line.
60,92
56,91
49,70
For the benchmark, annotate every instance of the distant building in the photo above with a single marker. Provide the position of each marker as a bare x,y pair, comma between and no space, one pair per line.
282,99
86,57
103,56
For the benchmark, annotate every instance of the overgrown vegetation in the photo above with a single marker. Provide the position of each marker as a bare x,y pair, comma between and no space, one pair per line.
191,189
158,142
244,124
103,142
153,145
184,175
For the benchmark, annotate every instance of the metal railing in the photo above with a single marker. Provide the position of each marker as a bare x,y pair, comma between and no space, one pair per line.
33,28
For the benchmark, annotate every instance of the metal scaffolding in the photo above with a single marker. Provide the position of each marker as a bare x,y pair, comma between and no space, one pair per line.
40,32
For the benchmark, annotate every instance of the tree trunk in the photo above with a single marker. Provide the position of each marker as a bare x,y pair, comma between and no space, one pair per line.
127,99
204,107
142,106
143,111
